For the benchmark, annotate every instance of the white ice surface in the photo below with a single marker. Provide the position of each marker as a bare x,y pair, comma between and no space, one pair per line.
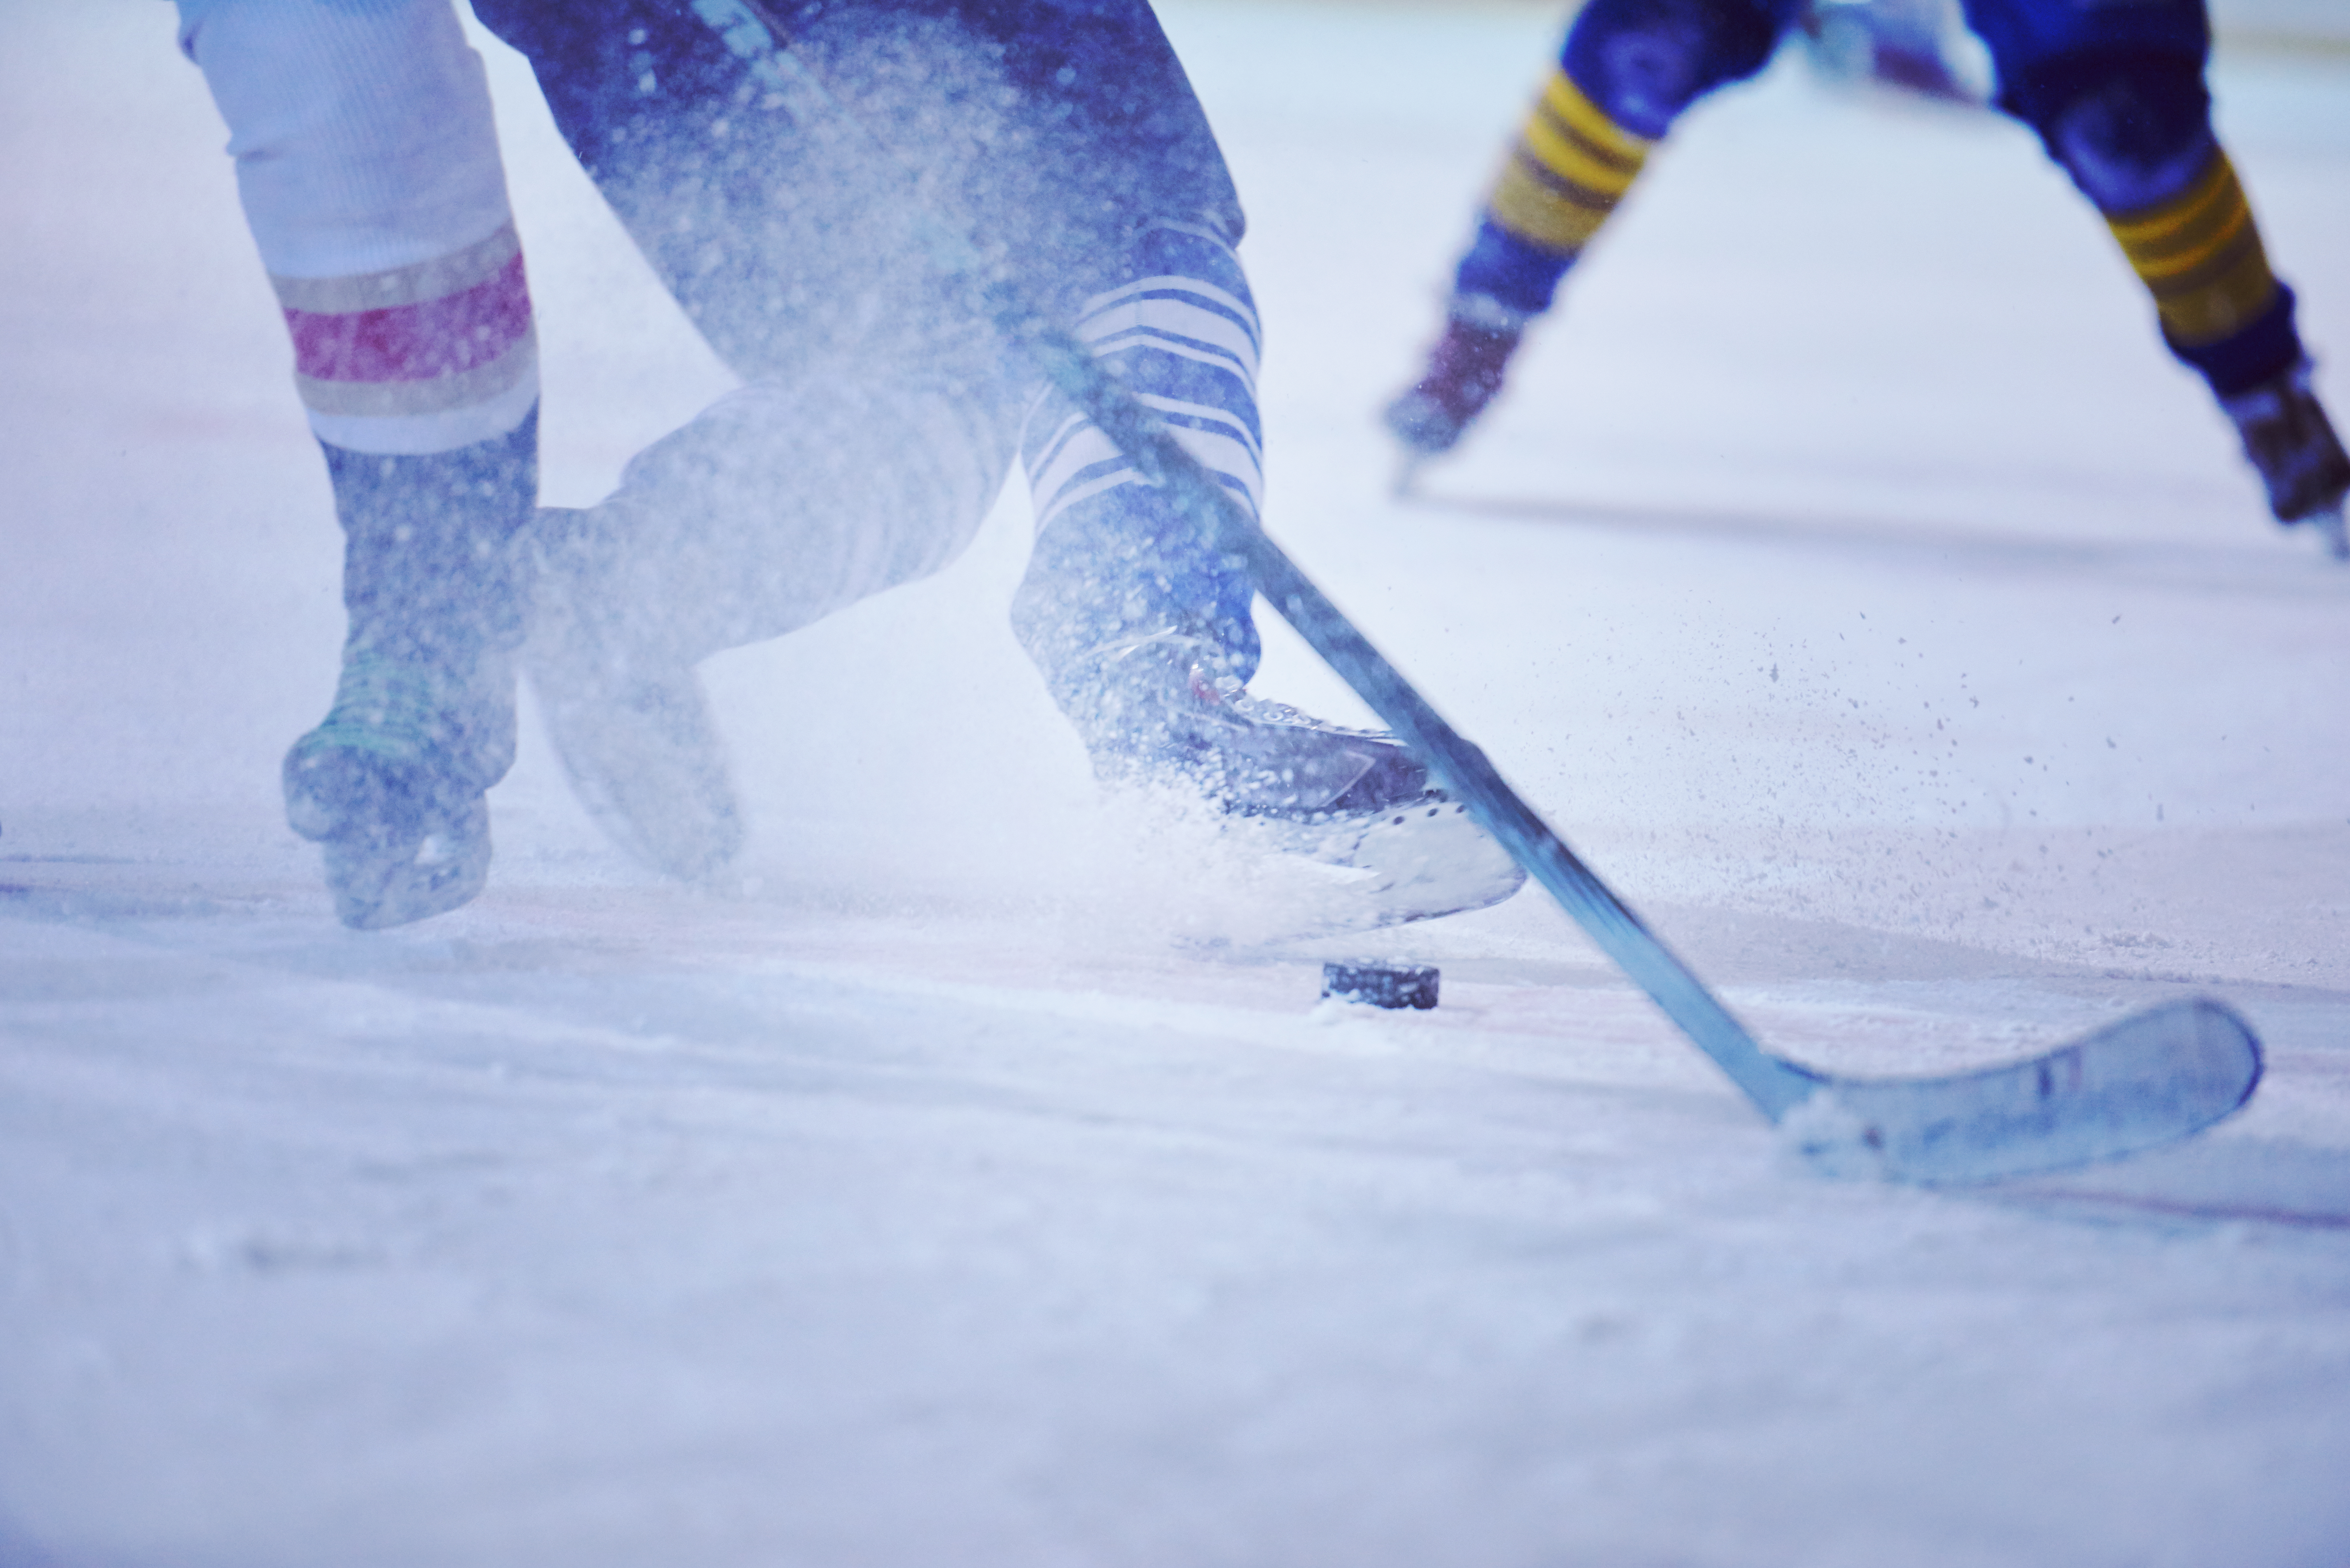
1848,575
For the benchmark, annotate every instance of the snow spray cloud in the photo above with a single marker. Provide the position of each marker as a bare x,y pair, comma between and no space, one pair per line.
880,412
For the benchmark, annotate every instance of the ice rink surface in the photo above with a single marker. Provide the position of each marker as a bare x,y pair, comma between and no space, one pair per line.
1847,573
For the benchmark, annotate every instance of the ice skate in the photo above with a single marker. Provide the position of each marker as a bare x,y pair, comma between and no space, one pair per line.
2289,439
1464,372
391,785
1353,800
630,725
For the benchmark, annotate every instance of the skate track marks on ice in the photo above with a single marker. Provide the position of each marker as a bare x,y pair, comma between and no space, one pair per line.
586,1226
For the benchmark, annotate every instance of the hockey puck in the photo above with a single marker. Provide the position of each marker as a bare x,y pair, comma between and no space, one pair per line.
1381,984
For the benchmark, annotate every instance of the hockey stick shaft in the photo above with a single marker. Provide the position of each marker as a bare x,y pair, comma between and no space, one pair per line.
2146,1081
754,35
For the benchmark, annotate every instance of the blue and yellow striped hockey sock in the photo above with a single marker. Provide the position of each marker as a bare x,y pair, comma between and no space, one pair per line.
2199,254
1566,173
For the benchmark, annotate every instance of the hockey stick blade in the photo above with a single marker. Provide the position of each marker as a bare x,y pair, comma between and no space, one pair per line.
2151,1079
2147,1081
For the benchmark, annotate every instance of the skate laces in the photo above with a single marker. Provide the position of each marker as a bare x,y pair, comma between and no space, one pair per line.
1195,656
406,742
411,710
388,706
1186,718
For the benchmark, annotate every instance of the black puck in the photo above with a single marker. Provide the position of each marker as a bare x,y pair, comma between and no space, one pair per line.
1381,984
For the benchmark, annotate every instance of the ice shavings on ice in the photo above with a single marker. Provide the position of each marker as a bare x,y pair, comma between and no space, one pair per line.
985,1182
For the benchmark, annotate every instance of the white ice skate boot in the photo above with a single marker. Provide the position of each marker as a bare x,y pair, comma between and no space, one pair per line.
391,785
629,722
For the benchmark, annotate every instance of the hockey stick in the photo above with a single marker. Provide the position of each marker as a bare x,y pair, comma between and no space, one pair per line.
2148,1080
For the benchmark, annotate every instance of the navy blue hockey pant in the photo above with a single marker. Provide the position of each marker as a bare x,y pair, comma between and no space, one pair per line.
1061,132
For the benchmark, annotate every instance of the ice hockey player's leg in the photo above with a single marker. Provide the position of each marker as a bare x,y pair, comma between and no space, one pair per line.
1114,565
2184,223
1627,71
2129,119
1145,635
626,713
368,171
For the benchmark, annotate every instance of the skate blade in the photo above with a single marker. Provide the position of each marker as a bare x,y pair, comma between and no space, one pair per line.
669,812
642,757
378,886
2333,529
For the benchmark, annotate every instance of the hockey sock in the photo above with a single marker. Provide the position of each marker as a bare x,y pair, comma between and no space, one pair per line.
408,362
1569,168
2200,256
368,164
2132,125
1114,560
1628,70
429,357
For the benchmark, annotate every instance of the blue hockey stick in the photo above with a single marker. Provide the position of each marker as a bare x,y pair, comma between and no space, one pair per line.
2148,1080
